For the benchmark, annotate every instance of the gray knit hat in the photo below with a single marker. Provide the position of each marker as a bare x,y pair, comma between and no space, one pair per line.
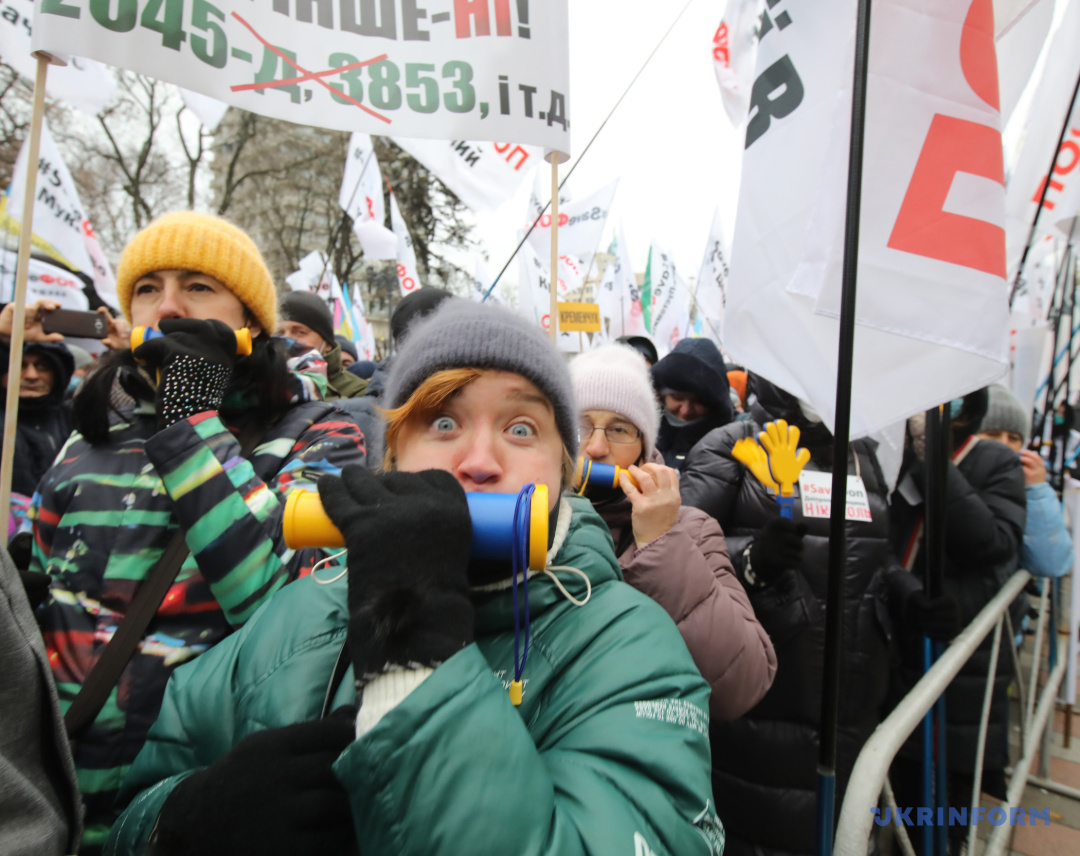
465,334
1004,412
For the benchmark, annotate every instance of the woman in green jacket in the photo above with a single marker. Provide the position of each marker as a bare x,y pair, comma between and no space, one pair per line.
607,752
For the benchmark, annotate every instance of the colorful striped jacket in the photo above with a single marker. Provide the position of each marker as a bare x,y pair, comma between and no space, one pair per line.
103,515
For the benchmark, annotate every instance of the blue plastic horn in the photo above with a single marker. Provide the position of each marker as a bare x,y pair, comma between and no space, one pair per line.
588,473
493,515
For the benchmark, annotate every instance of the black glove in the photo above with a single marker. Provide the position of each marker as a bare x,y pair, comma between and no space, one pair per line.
409,537
274,793
934,617
36,585
196,360
778,547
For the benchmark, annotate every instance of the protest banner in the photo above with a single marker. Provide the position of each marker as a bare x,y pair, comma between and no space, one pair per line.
60,227
480,70
931,273
534,287
483,175
1020,28
83,83
45,281
361,197
408,276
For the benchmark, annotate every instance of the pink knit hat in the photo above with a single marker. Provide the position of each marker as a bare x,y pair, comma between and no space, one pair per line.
616,378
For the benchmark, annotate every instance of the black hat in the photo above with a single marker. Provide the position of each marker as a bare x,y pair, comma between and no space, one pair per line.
347,346
413,307
643,345
308,309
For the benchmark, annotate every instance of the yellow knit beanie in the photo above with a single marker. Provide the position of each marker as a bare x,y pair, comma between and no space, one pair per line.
187,240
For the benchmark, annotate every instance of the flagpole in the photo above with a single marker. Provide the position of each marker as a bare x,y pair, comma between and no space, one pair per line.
1045,188
18,323
834,613
553,273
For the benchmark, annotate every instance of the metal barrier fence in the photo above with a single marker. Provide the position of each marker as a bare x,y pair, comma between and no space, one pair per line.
868,777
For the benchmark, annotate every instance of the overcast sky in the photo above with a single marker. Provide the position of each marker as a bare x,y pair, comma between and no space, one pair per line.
670,143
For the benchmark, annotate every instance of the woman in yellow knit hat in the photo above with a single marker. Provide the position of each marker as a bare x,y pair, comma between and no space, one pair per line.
158,451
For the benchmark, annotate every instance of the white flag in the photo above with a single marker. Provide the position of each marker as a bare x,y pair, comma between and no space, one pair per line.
361,197
61,228
581,222
734,50
408,278
1020,28
534,287
712,282
45,281
670,300
316,275
931,287
1049,107
482,175
618,295
83,83
209,111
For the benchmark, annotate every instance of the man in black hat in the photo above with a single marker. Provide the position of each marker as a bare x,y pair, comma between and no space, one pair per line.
306,318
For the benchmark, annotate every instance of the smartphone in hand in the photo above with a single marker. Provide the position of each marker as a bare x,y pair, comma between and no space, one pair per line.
72,322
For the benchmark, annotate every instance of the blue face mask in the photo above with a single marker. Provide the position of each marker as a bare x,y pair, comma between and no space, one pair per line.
955,406
73,384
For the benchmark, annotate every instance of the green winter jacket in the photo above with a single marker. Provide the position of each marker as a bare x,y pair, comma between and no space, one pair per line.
608,753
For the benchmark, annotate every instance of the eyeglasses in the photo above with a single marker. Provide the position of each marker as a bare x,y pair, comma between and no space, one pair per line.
616,433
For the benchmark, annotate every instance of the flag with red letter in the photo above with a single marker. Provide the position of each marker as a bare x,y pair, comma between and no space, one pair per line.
734,51
61,228
408,278
482,175
1049,108
581,222
931,275
361,197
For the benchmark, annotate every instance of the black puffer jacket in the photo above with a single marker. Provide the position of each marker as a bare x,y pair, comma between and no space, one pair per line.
764,765
695,366
986,514
44,423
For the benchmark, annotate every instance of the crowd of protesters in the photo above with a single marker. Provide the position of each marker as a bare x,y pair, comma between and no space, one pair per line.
654,688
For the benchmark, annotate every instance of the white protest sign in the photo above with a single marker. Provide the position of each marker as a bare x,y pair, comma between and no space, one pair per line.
482,175
815,491
534,288
468,69
83,83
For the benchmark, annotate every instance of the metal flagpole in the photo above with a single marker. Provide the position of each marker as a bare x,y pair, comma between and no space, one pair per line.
834,613
18,323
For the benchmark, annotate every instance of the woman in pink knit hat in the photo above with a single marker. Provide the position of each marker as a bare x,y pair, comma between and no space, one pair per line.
675,554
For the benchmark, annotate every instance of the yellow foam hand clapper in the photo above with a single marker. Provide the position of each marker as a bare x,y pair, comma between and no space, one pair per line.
786,460
747,451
